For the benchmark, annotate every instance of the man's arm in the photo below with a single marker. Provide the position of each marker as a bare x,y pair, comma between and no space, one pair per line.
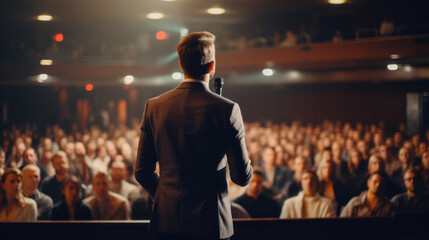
146,157
239,163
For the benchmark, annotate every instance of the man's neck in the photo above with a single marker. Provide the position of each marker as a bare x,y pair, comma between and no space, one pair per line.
29,192
309,194
101,200
60,177
372,198
252,195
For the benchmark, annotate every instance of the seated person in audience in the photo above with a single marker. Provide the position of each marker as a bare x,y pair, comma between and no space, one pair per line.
416,198
1,172
81,165
51,185
355,173
275,176
30,157
256,203
330,187
141,209
293,186
2,159
371,203
392,164
14,207
100,163
106,205
119,185
405,156
71,207
308,203
30,182
339,165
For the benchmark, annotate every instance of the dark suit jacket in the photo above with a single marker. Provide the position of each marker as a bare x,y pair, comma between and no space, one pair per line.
190,131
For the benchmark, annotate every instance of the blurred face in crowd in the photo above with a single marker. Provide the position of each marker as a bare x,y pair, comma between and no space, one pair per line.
2,159
355,158
111,149
92,146
70,148
102,152
71,192
20,148
375,184
349,144
300,164
11,185
397,139
415,140
28,141
255,186
309,184
375,164
336,150
410,181
425,160
384,152
30,156
423,147
100,184
80,149
31,179
389,142
326,155
363,147
63,143
327,170
378,139
47,144
404,156
60,164
118,171
269,157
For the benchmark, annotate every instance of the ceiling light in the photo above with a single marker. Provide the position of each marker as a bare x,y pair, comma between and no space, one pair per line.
89,87
216,11
128,79
155,15
44,18
392,67
293,74
268,72
408,68
395,56
184,32
176,75
46,62
337,1
42,77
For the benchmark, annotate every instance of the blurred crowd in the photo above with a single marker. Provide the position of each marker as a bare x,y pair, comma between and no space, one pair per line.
300,171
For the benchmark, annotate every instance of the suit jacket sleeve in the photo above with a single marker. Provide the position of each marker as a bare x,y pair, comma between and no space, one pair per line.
146,157
239,164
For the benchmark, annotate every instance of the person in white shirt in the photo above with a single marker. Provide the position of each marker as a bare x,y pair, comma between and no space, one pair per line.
308,203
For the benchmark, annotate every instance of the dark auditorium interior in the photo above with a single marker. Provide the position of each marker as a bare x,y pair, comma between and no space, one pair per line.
338,83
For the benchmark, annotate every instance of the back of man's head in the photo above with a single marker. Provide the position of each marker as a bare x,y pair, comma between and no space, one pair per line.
196,52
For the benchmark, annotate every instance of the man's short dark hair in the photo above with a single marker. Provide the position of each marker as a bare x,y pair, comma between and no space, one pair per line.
196,52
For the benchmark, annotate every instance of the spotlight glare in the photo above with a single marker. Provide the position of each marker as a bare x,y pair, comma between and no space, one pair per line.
395,56
128,79
89,87
337,1
155,15
46,62
184,32
216,11
294,74
176,75
408,68
268,72
42,77
161,35
44,18
392,67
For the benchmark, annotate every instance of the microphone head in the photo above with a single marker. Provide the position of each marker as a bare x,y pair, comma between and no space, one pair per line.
218,83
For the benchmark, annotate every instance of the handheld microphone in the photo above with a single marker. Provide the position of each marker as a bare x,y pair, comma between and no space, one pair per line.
218,84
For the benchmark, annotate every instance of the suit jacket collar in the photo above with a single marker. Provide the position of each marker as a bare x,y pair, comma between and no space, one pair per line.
193,85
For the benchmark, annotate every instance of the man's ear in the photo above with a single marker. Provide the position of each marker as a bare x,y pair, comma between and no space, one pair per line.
211,66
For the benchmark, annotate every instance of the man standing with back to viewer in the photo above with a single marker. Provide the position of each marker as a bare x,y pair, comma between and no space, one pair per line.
192,133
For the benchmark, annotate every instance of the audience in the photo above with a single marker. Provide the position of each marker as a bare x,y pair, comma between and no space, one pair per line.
416,198
106,205
71,206
343,155
14,207
308,203
255,202
30,182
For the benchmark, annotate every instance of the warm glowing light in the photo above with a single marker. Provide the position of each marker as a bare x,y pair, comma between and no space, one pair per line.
46,62
42,77
294,74
395,56
59,37
161,35
128,79
392,67
44,18
216,11
184,32
89,87
268,72
408,68
155,15
176,75
337,1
